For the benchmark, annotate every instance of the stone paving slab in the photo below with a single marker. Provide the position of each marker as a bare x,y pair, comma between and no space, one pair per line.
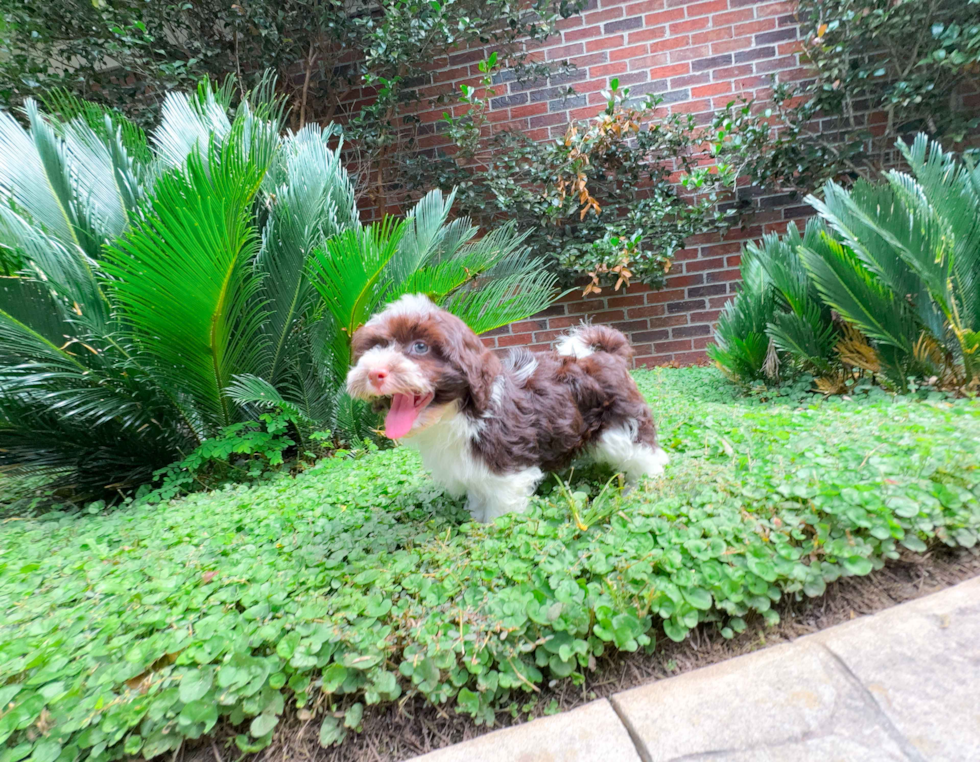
920,663
788,702
591,733
902,685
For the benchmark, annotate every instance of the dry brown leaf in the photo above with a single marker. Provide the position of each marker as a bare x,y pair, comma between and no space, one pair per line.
831,384
853,349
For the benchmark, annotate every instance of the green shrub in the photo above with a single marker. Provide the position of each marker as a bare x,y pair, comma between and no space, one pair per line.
899,264
742,346
356,583
910,62
170,288
243,452
603,203
129,54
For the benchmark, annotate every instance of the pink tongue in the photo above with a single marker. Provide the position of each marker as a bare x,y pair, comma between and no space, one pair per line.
402,415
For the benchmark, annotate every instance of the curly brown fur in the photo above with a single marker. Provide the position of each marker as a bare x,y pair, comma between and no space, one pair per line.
490,428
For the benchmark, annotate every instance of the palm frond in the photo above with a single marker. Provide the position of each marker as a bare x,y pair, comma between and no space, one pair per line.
129,170
348,274
72,182
313,203
953,190
71,452
260,137
848,286
25,349
456,235
67,269
184,282
502,300
187,124
105,186
784,270
806,336
36,183
31,303
192,123
742,358
265,102
424,232
854,349
106,122
778,315
755,279
352,419
860,216
247,389
312,376
742,345
72,378
898,243
924,241
501,251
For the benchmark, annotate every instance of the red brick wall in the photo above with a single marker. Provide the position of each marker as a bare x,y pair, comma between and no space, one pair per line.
698,56
673,324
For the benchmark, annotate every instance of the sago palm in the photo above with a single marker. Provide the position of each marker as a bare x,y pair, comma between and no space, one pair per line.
741,346
160,289
899,264
777,319
906,269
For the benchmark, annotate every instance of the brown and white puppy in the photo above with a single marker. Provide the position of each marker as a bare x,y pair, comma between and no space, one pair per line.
488,427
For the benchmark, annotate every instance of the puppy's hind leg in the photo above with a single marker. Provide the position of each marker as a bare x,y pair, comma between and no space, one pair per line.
617,447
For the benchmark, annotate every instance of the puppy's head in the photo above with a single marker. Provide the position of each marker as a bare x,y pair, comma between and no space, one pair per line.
417,360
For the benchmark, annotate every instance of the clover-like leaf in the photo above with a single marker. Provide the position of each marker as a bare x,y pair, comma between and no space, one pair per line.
195,684
857,565
264,724
698,597
676,632
331,731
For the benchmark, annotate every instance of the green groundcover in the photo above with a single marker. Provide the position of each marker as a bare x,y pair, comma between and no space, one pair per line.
127,631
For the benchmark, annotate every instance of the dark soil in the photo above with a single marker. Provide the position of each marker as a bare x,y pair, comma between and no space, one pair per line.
412,727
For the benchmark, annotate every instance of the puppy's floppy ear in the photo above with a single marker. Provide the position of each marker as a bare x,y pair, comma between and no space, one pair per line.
478,364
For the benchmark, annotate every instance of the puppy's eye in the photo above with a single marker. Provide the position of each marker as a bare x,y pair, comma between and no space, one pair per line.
420,348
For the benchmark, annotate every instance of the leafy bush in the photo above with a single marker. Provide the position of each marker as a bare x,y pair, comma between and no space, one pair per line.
899,264
357,582
243,452
907,61
170,288
130,53
603,202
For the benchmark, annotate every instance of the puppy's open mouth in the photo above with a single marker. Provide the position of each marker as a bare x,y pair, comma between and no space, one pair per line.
405,409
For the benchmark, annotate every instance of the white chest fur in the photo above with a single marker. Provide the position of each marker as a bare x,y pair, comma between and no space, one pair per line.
445,447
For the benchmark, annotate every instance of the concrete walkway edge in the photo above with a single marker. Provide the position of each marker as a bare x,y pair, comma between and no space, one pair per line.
901,685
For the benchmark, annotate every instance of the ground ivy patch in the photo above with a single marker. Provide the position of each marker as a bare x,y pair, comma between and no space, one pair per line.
125,632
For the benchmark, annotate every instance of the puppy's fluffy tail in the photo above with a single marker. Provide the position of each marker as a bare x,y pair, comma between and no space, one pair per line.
589,339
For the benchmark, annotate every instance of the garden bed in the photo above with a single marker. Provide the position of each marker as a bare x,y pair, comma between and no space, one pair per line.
359,584
403,731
